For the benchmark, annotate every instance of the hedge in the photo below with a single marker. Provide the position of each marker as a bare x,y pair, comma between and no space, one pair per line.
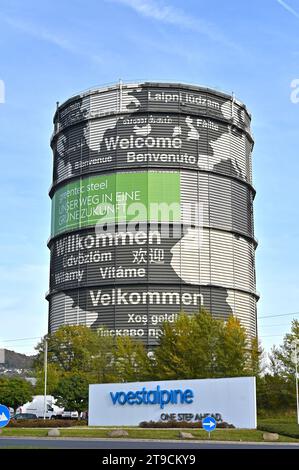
286,429
48,423
180,424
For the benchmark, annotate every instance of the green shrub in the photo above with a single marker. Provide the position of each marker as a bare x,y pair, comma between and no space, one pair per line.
285,429
48,423
179,424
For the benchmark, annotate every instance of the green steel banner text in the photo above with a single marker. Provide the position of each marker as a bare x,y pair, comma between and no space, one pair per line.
118,197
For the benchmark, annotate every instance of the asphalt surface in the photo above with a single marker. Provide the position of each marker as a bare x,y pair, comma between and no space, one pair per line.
62,443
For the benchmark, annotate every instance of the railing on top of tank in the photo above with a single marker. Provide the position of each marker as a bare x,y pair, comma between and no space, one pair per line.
139,81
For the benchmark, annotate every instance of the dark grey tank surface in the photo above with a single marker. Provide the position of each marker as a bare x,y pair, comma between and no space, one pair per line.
133,146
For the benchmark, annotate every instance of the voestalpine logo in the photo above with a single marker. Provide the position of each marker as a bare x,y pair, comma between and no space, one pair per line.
153,397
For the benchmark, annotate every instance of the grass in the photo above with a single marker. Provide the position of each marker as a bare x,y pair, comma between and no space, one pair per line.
284,425
139,433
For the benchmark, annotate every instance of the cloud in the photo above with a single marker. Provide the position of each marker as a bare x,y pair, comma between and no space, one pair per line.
50,37
170,47
288,8
177,17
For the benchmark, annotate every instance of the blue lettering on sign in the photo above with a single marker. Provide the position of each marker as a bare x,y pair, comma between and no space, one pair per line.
153,397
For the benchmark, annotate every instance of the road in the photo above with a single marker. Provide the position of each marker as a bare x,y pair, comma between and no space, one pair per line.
63,443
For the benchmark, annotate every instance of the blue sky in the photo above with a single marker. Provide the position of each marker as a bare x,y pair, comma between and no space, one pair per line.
53,49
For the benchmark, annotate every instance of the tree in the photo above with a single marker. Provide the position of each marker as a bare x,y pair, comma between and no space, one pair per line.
232,346
256,363
53,377
75,349
277,391
72,392
173,356
201,346
70,348
237,355
274,393
103,370
195,346
131,361
281,360
14,392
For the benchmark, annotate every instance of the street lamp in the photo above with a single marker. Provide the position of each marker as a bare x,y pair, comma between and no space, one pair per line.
45,374
294,358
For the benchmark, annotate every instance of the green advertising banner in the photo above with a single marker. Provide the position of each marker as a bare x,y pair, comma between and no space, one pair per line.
117,197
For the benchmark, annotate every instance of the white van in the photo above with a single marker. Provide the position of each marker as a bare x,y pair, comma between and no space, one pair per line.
36,406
